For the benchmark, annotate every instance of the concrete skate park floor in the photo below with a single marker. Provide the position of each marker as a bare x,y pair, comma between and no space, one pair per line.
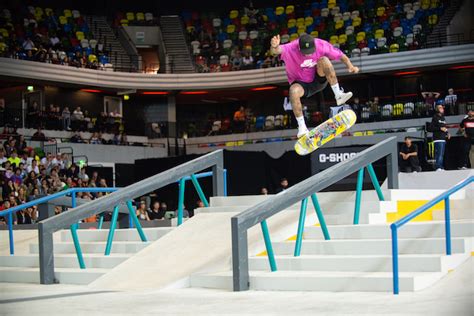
453,295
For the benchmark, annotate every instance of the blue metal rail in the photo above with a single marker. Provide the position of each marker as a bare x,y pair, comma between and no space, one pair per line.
396,225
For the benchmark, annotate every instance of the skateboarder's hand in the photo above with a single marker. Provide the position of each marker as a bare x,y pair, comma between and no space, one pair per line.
275,41
353,69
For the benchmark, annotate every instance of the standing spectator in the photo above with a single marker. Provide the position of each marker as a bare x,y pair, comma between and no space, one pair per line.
239,119
66,116
77,119
374,107
263,191
356,107
33,115
450,101
467,127
283,185
440,134
409,154
430,100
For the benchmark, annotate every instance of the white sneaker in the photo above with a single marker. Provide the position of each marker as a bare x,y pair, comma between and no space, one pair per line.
343,97
439,169
302,132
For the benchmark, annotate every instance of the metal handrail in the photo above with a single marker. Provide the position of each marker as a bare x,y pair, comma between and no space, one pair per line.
258,213
42,200
396,225
46,228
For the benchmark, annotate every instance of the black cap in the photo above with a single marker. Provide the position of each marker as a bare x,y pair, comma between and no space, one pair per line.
306,44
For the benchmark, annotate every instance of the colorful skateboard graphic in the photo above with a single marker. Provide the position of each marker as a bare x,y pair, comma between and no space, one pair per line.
325,132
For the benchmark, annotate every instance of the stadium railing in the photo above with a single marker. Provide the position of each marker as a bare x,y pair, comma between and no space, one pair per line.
258,214
395,226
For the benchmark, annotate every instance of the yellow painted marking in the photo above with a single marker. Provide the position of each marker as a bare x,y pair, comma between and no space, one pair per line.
406,207
450,270
292,238
472,253
262,254
317,225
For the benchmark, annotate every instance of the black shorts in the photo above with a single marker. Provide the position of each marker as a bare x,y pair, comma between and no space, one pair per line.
311,88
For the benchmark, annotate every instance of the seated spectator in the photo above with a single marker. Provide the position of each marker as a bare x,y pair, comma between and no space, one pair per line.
3,159
28,44
142,213
95,139
6,205
76,138
450,102
247,61
14,159
23,217
264,191
155,212
283,185
409,154
83,175
237,61
39,136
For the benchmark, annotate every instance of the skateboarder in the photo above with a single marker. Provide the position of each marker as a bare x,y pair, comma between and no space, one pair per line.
309,69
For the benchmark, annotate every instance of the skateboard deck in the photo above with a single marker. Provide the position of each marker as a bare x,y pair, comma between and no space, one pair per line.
325,132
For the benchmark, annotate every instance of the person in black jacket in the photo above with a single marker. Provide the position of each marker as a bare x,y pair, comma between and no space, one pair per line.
467,128
440,134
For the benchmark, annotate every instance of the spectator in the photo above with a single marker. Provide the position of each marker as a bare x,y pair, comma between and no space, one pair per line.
76,138
23,217
39,136
467,128
83,175
374,107
142,212
264,191
239,119
440,134
6,205
409,154
77,118
237,61
247,61
33,115
450,101
3,159
155,211
102,183
357,107
14,159
430,100
66,116
283,185
28,44
95,139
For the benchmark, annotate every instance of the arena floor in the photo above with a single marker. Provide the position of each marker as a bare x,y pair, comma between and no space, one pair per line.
454,295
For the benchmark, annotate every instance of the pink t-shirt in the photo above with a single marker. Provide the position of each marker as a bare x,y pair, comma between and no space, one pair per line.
302,68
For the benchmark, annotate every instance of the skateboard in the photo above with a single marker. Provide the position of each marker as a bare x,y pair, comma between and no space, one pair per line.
325,132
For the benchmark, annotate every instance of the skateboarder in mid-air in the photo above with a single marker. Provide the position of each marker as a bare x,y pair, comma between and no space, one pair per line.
309,69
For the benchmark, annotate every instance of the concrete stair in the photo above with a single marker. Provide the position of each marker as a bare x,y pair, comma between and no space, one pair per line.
103,32
358,257
177,49
25,268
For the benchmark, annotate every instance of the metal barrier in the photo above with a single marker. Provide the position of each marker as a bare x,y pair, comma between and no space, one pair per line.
46,228
275,204
395,226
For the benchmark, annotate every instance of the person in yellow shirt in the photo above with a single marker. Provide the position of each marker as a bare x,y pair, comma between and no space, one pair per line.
14,159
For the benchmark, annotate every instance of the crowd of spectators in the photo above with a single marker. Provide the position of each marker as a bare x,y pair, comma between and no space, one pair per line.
50,37
27,174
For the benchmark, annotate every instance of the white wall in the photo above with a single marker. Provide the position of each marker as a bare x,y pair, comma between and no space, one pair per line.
463,21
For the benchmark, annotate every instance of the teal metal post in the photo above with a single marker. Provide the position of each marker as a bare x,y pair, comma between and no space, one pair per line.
268,245
10,233
320,215
135,220
360,182
101,221
182,186
75,237
299,236
113,224
198,188
375,181
225,182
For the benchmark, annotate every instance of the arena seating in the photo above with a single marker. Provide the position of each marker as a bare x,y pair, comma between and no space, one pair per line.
59,36
134,18
364,28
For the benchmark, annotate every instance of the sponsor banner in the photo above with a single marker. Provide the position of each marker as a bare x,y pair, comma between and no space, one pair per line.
324,158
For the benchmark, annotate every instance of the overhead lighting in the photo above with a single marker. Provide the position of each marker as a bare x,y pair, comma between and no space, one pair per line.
126,97
264,88
462,67
194,92
92,90
30,88
155,92
405,73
